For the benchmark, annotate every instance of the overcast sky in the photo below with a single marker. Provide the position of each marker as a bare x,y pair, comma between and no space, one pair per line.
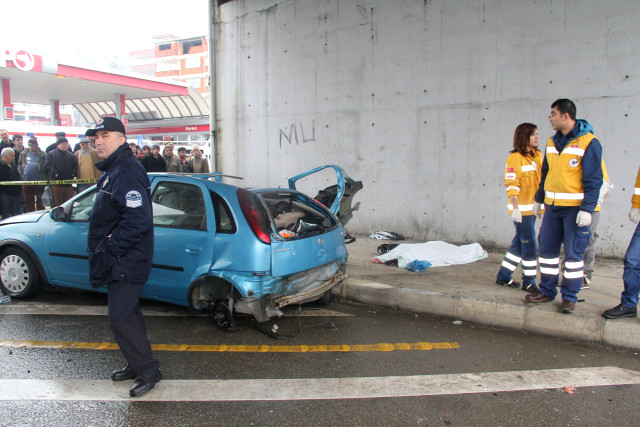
94,33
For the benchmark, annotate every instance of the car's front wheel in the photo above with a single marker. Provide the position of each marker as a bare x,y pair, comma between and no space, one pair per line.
19,276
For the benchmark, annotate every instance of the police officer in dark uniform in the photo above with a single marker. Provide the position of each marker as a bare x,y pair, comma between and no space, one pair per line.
121,250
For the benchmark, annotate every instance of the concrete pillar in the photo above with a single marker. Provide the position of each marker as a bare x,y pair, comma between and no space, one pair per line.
121,111
54,112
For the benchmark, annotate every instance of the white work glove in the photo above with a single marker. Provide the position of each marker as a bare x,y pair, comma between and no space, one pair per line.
634,214
583,219
516,216
537,207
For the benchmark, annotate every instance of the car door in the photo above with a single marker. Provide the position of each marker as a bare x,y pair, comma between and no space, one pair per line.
183,238
67,257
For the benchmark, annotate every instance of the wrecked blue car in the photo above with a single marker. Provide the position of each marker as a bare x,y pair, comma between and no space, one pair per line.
217,246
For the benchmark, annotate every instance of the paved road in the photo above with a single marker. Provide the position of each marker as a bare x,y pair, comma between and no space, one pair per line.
350,365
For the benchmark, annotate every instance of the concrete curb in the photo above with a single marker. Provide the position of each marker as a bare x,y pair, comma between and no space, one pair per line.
540,319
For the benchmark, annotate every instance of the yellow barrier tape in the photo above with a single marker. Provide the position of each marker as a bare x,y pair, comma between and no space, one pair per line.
52,182
422,346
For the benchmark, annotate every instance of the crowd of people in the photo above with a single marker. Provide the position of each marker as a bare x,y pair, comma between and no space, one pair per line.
566,187
59,163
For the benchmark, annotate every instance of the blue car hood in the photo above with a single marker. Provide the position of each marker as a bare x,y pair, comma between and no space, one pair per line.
27,217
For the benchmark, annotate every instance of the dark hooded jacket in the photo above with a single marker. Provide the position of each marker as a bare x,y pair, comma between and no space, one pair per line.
121,224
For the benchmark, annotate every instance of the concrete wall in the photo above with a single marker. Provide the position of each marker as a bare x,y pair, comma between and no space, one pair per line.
419,100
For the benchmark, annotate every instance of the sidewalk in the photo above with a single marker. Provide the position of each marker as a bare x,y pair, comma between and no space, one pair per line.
468,292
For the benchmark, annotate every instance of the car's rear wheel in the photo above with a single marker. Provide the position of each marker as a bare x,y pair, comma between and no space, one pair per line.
19,276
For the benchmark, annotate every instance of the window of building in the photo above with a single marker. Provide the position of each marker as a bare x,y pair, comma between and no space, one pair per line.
166,46
187,45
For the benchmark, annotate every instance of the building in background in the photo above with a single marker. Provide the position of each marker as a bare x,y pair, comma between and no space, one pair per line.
182,59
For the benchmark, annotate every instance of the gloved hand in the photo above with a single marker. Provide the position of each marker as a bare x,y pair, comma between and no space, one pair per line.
537,207
634,214
583,219
516,216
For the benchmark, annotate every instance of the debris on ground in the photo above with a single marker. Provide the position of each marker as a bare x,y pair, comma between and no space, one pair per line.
569,389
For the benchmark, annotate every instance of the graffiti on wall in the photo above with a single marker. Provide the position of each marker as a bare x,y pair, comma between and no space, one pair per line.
295,134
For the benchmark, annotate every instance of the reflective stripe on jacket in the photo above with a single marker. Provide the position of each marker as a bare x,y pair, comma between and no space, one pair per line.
521,179
563,185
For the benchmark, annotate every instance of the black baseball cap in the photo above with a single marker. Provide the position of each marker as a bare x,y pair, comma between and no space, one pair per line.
110,124
90,132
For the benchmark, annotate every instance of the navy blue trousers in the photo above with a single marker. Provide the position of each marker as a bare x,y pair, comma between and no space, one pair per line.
558,227
631,276
523,251
128,328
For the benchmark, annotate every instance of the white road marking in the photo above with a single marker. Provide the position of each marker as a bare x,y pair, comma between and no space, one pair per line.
317,388
101,310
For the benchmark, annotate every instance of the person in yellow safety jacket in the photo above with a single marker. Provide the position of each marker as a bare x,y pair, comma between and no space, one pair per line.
590,252
570,188
521,179
631,276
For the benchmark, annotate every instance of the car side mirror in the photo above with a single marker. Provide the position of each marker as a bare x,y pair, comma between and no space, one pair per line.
58,214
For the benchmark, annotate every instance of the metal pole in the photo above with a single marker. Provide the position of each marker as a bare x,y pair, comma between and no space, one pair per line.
213,9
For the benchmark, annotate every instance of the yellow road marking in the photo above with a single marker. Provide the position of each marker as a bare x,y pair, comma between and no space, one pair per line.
240,348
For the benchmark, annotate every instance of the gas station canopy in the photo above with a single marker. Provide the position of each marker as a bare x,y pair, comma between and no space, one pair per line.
35,79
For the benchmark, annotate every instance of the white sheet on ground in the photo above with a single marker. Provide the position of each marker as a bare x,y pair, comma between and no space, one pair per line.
436,252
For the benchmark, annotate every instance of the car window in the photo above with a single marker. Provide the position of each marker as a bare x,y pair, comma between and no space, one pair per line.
222,212
81,208
179,205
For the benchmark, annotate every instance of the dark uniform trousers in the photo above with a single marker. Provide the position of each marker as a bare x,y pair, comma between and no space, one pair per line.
128,328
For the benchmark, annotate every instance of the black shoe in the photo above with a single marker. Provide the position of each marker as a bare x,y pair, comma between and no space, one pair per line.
123,374
531,288
511,283
144,384
620,311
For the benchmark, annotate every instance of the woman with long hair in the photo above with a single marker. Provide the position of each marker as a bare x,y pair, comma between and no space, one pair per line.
521,179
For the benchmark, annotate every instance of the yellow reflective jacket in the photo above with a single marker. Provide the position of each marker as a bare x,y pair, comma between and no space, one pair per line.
635,199
563,185
521,179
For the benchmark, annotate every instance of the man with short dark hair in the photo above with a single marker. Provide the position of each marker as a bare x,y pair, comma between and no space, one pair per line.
569,188
18,146
121,249
155,162
59,164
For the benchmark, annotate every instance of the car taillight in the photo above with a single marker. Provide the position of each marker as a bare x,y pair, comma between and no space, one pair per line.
254,214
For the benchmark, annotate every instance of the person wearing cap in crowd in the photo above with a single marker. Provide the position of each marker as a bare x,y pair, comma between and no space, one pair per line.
155,162
10,202
185,165
198,162
147,150
31,168
55,144
59,164
90,134
173,163
4,139
120,246
87,158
